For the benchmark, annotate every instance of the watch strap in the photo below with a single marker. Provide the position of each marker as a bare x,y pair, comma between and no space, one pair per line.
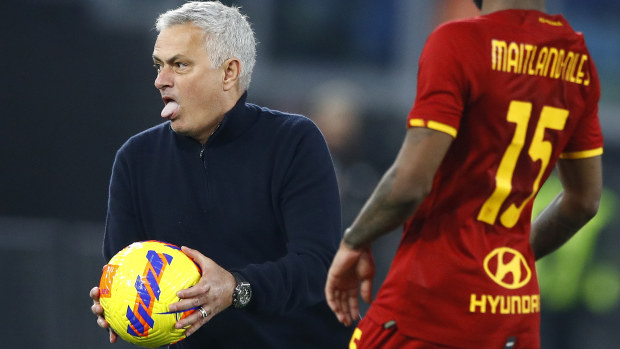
238,277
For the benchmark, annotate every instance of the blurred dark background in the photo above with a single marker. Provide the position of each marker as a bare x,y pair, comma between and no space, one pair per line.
77,81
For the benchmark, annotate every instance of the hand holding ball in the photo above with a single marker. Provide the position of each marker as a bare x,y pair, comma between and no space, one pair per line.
136,287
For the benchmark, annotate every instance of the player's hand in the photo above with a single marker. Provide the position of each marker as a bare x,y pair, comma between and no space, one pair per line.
213,292
351,272
97,309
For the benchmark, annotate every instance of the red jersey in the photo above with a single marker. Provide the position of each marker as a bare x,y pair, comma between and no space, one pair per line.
518,90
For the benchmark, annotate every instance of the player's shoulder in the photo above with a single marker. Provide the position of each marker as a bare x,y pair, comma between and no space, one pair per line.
459,32
459,25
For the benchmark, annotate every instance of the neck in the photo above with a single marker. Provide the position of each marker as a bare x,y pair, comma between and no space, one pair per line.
489,6
229,100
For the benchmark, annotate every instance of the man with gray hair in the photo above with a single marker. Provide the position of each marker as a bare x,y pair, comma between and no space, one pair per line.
251,190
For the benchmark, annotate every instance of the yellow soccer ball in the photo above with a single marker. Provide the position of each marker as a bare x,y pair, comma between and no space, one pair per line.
136,287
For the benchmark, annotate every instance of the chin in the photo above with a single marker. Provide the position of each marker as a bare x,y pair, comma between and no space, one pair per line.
183,131
177,128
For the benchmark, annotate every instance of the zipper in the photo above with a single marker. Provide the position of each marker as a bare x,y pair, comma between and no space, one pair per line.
204,146
202,151
202,156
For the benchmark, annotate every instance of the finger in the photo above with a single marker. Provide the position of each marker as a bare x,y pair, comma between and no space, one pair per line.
195,326
353,307
193,254
344,308
186,304
366,290
186,321
201,289
203,261
333,301
195,318
335,305
94,293
113,336
329,294
102,322
97,309
191,297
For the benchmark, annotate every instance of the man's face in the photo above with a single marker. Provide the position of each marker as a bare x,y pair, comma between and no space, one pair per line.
191,89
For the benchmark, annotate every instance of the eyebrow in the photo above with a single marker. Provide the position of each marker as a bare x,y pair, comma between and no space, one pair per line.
171,59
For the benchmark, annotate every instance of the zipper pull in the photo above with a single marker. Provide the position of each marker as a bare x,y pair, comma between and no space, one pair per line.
204,146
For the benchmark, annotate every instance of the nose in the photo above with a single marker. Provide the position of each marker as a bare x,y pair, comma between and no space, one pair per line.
164,78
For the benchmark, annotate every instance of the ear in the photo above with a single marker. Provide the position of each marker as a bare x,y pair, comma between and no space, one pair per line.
232,70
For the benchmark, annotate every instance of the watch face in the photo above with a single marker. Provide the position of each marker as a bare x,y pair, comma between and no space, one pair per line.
243,293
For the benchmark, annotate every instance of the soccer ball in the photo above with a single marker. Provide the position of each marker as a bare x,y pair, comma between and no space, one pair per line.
136,287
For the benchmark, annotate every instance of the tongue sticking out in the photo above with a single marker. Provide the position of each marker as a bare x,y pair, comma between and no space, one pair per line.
169,109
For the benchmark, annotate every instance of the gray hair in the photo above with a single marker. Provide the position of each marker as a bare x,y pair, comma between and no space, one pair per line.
228,33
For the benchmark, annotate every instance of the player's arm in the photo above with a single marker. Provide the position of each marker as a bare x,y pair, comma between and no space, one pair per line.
582,183
402,188
397,196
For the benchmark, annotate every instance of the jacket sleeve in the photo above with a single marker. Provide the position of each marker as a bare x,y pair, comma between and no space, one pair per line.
306,197
121,228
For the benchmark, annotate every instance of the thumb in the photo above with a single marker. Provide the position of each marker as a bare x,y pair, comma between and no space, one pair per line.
190,252
197,257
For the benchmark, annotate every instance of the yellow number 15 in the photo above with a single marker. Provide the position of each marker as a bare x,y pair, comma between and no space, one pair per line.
539,149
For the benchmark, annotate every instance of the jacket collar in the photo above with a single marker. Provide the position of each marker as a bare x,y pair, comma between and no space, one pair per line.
235,122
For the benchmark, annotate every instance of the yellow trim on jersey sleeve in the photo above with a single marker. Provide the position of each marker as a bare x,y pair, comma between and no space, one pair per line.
582,154
416,123
433,125
438,126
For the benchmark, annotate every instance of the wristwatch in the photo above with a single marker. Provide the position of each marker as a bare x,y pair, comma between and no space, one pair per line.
243,291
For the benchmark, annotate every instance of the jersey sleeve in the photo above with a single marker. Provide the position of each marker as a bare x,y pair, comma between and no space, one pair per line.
587,140
442,86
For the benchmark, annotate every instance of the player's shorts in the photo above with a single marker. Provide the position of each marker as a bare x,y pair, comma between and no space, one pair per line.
370,335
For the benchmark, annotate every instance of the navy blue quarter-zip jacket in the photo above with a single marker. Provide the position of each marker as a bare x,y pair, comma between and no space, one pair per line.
261,198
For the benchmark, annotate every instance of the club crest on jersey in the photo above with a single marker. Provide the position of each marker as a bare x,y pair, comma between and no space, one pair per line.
508,268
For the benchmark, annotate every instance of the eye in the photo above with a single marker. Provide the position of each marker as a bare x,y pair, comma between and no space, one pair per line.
157,67
181,65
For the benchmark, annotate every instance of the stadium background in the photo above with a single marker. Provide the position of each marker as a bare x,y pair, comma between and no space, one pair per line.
76,82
